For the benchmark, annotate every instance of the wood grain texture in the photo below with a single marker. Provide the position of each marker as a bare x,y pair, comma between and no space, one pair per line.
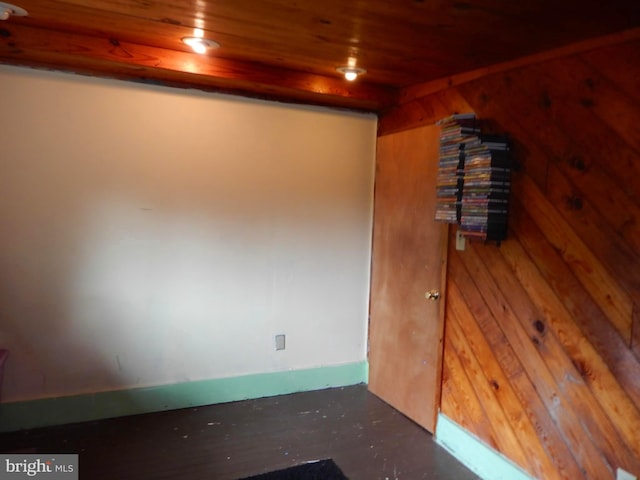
593,323
281,44
551,433
461,399
493,388
409,248
515,319
553,311
635,338
592,273
128,60
366,437
419,91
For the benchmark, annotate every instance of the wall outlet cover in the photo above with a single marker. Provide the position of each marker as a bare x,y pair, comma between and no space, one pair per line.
624,475
280,342
460,240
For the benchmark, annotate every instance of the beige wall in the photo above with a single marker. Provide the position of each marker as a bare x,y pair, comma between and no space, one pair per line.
152,236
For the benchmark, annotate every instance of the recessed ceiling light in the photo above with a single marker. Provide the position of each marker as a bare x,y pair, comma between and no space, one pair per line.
351,73
7,10
200,45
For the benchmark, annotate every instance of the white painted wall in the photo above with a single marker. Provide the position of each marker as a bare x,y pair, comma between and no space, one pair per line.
152,236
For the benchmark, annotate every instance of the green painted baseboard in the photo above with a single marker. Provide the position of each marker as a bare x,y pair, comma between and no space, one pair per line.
478,457
81,408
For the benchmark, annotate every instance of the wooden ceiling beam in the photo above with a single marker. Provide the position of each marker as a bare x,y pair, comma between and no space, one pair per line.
37,47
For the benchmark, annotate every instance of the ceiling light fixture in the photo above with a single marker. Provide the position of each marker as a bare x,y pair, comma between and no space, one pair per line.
351,73
7,10
200,45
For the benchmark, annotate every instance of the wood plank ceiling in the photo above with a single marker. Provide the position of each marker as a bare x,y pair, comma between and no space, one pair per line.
289,49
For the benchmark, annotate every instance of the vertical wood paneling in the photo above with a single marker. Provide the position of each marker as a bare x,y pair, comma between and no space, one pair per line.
592,273
519,428
460,398
635,337
618,63
518,318
581,307
506,441
604,195
543,333
509,344
605,410
600,96
588,136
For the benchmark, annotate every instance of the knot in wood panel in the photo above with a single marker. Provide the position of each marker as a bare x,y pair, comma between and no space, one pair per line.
171,21
545,101
581,367
465,6
574,202
587,102
577,163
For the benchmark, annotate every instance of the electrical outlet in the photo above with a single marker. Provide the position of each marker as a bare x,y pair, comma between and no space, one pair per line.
280,342
460,240
624,475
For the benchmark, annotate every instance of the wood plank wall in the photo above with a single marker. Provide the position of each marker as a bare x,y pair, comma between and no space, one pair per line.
542,342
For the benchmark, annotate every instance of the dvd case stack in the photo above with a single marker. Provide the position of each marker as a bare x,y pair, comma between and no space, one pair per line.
473,179
456,132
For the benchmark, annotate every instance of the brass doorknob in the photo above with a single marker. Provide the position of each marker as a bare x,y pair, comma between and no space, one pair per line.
432,295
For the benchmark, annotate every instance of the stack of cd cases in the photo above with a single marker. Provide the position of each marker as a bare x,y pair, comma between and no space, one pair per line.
473,180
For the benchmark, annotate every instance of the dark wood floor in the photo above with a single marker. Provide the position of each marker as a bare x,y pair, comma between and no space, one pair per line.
366,438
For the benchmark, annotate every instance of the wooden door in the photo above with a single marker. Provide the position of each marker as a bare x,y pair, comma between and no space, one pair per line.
409,256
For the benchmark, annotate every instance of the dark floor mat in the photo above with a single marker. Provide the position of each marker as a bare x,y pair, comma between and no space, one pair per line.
322,470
